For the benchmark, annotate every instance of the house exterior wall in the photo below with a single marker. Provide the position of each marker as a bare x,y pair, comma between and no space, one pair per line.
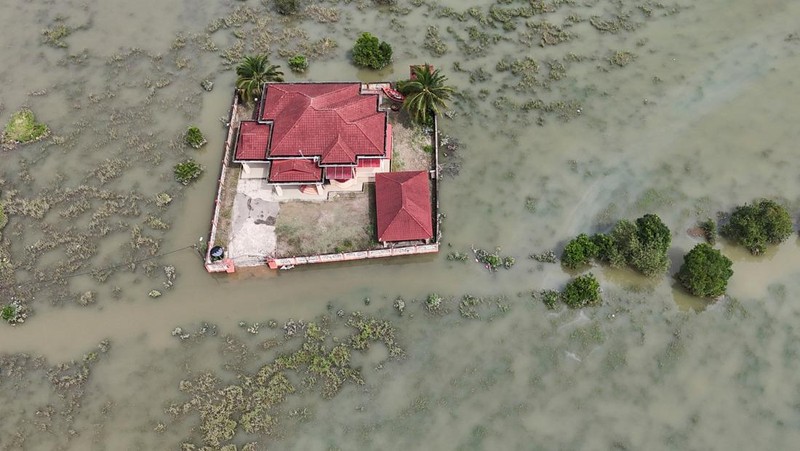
255,170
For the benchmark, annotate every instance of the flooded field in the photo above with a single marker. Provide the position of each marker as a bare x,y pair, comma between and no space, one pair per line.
569,116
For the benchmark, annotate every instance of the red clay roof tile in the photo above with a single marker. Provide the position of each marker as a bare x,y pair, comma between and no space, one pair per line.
251,144
333,121
294,170
403,205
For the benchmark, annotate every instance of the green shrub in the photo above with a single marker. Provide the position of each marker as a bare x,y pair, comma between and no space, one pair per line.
607,251
286,7
298,63
582,291
579,252
371,53
23,128
643,245
550,298
194,137
759,225
705,271
8,313
433,302
709,227
188,171
653,233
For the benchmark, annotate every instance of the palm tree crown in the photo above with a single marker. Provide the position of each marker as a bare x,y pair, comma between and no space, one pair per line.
426,94
253,72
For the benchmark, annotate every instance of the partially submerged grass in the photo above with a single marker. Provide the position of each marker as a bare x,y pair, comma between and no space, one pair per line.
23,128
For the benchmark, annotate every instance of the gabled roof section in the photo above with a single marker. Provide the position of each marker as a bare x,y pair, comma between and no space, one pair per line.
332,121
295,170
252,142
403,204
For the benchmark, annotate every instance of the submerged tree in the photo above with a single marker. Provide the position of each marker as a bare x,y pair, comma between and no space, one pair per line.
371,52
705,271
253,73
758,225
426,93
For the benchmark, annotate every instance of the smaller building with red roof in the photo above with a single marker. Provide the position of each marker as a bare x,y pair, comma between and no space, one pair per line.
403,206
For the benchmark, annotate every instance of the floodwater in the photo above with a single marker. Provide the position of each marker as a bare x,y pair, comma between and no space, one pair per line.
696,118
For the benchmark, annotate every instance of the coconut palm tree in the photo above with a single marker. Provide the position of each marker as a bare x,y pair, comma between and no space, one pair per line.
426,93
253,72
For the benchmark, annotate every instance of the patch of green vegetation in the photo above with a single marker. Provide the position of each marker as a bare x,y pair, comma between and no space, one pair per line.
549,297
433,42
8,312
579,252
642,245
22,128
370,52
3,217
457,256
433,302
582,291
286,7
493,261
758,225
188,171
705,271
55,35
709,227
194,137
621,58
298,63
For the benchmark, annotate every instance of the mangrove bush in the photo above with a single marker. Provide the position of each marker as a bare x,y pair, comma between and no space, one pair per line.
582,291
705,271
371,52
755,226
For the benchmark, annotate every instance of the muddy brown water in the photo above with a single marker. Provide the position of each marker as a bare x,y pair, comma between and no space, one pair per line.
702,119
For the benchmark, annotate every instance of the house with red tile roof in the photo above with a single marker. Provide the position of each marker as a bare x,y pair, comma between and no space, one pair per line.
316,138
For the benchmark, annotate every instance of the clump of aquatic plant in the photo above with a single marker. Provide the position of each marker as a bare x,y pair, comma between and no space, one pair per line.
188,171
371,53
756,226
286,7
705,271
709,228
55,35
433,42
3,217
162,199
550,298
621,58
582,291
433,302
23,128
253,403
457,256
194,137
545,257
493,261
298,63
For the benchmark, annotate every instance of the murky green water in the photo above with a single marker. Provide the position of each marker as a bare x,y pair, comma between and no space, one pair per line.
700,119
